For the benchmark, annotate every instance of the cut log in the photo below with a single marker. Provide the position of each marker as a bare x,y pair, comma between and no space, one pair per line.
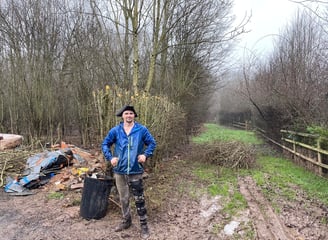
9,141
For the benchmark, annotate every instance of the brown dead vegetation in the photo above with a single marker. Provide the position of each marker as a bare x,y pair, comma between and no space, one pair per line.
225,154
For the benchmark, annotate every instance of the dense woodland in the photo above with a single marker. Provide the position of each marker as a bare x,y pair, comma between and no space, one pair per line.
67,66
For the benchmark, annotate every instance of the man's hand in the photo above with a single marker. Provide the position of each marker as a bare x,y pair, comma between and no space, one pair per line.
114,161
142,158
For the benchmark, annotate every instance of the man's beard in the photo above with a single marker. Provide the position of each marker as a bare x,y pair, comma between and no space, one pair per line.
129,120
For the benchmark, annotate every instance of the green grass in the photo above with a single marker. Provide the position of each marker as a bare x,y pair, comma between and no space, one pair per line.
222,182
284,174
276,176
214,132
55,195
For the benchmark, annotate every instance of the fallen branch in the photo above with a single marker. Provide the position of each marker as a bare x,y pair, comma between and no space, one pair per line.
116,203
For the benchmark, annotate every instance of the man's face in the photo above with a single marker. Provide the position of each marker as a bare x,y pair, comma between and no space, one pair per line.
128,116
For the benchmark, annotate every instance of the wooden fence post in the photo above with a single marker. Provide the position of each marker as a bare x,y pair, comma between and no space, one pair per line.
319,155
294,149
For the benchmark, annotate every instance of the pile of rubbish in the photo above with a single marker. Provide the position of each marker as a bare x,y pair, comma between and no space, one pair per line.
63,167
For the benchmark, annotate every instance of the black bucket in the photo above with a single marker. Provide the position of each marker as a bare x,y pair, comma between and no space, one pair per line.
95,196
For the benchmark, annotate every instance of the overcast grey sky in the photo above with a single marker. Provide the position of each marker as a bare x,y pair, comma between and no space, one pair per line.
268,17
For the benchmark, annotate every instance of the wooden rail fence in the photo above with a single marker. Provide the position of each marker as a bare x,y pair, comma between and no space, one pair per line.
307,150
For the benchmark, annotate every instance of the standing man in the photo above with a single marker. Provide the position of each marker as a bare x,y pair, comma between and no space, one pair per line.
133,145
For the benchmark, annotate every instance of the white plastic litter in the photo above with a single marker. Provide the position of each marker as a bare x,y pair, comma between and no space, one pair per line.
230,228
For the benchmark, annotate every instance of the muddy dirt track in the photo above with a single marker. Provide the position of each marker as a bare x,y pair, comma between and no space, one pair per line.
173,213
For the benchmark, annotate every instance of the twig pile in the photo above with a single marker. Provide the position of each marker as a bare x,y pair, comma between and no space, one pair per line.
225,154
12,163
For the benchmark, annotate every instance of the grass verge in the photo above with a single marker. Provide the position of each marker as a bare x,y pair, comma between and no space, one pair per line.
214,132
283,174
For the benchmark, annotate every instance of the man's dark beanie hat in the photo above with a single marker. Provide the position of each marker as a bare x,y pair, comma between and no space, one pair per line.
126,108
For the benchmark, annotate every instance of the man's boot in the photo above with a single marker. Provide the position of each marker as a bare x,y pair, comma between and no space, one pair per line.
144,231
125,224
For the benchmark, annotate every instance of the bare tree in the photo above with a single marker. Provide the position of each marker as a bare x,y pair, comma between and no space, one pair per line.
55,54
290,88
30,32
